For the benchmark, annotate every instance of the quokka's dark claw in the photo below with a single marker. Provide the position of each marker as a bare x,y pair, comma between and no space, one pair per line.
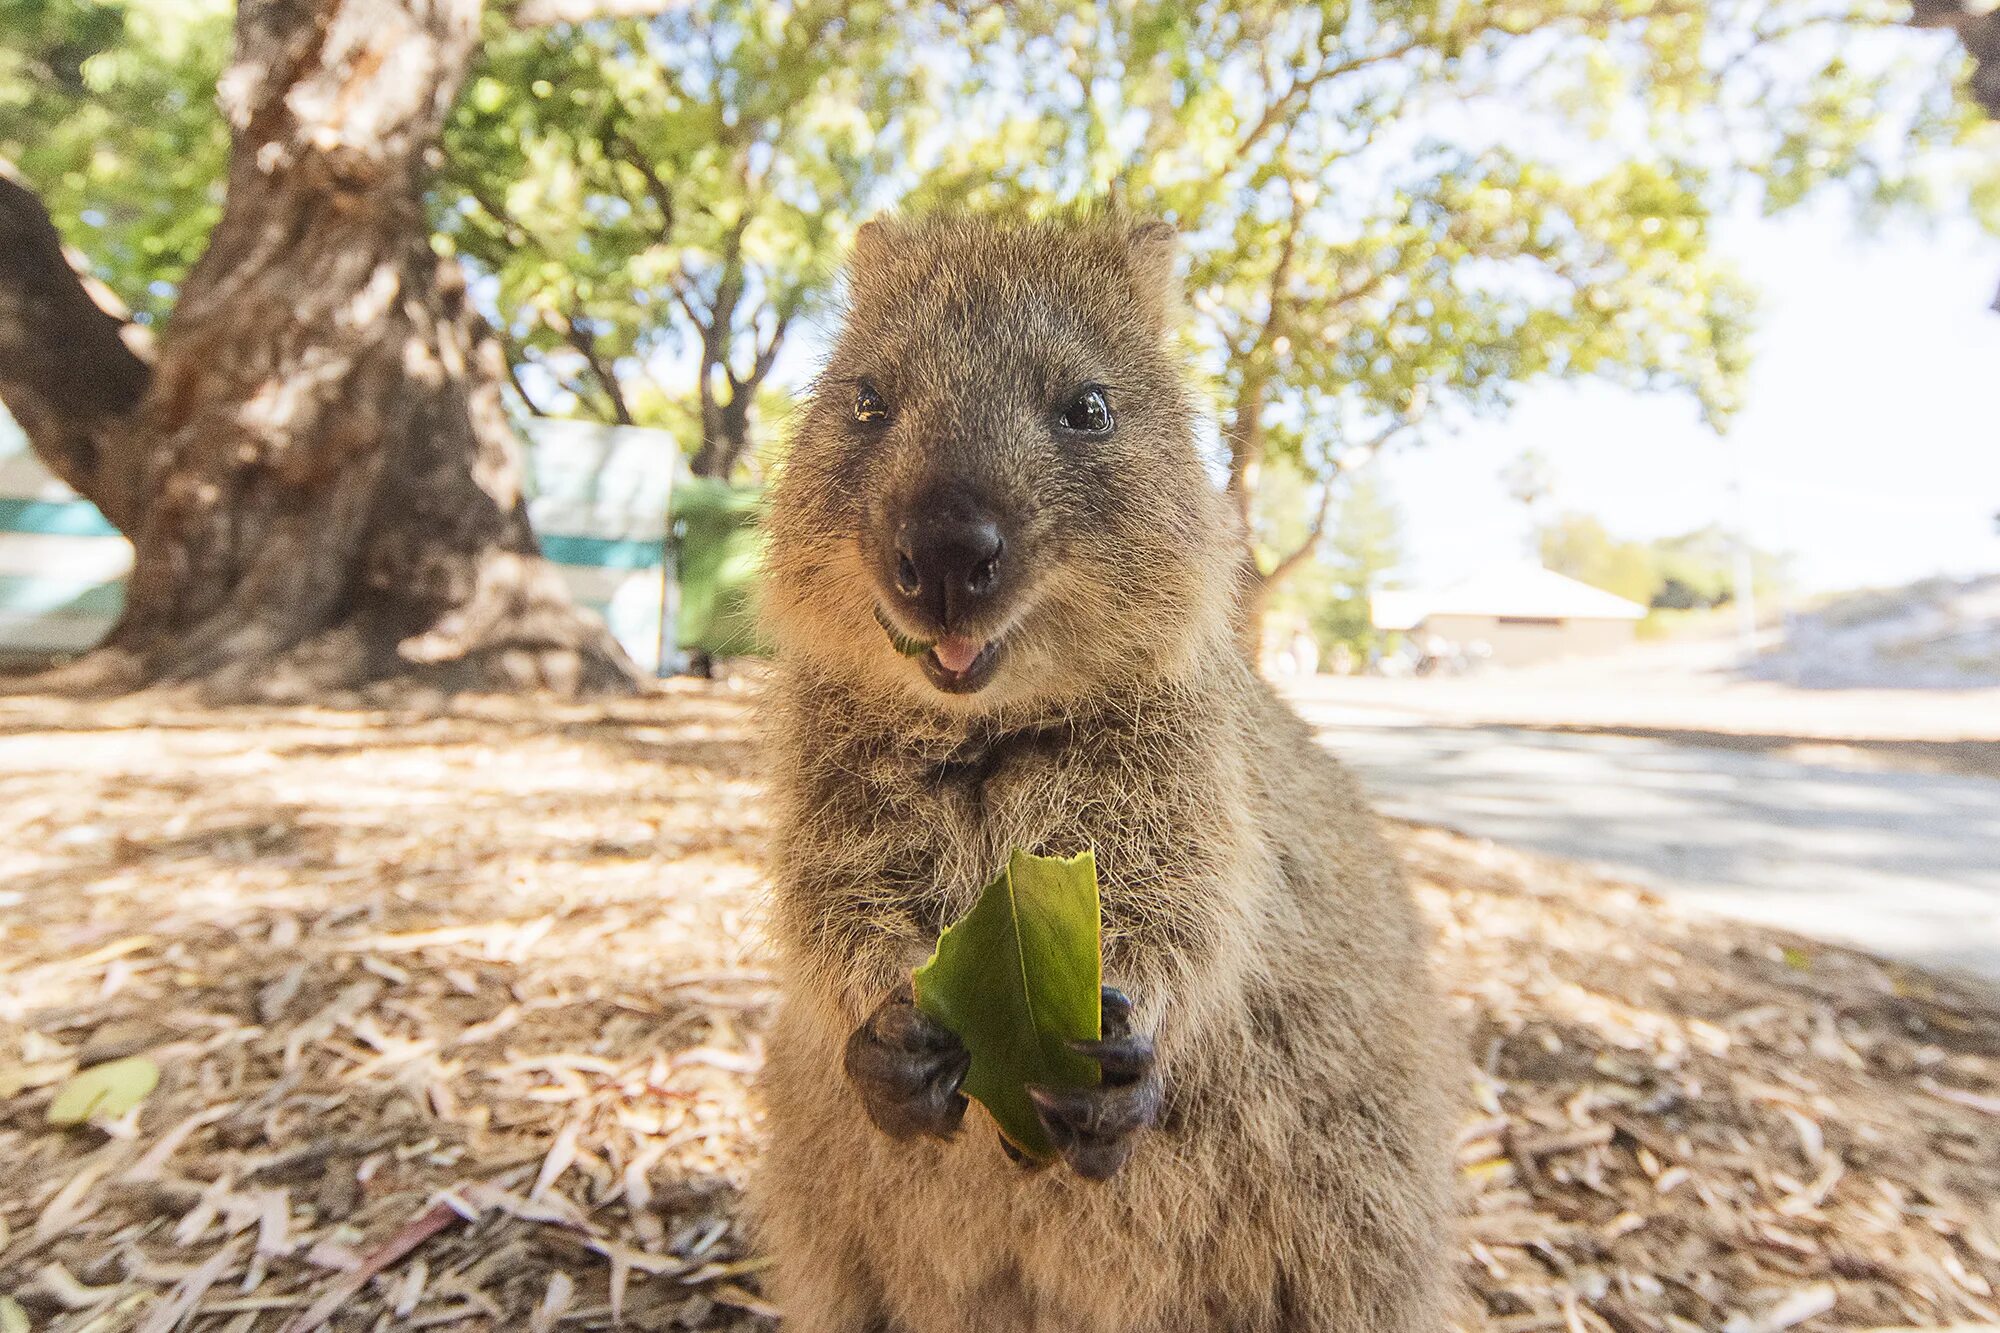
1116,1006
1122,1060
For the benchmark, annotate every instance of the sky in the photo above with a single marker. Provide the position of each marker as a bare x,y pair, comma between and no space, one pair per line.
1869,447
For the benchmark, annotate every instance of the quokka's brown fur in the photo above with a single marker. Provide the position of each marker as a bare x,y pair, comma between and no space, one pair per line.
1296,1181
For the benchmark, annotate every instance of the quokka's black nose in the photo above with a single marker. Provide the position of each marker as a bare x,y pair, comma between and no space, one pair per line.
948,564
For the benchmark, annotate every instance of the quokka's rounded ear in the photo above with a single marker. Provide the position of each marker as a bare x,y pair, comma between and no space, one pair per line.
878,241
1152,247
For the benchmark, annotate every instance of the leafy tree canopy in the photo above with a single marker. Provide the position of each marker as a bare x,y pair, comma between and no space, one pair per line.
1682,573
108,110
679,187
1396,213
1399,213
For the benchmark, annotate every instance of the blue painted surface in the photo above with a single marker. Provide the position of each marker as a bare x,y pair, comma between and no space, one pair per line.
602,552
79,518
53,518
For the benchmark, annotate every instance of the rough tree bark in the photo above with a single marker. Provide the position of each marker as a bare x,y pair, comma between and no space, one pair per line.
71,367
330,492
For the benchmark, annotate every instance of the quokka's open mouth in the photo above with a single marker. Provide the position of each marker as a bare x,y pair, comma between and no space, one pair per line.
960,666
955,663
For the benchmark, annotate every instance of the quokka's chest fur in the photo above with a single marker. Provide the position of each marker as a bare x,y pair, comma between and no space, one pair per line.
894,834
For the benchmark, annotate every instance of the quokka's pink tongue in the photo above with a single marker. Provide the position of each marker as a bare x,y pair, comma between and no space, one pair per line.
955,653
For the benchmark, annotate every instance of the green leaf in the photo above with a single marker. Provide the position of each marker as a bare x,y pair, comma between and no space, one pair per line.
1017,978
908,647
108,1090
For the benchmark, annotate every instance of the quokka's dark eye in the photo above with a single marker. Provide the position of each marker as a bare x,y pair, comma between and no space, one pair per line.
870,408
1089,413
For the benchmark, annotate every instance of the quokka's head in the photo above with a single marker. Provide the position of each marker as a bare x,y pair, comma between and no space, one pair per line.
994,498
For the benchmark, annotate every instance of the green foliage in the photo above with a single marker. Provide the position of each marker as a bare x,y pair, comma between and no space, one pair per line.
1395,214
902,643
717,553
1693,571
108,109
1579,546
1367,545
1398,214
1018,978
676,190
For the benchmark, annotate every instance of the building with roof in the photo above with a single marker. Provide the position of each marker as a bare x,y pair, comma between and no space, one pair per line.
1522,612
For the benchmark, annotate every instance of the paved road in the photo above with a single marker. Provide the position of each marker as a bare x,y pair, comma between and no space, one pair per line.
1907,864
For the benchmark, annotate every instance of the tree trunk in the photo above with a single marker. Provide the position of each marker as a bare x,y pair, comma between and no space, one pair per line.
332,492
1245,439
725,427
725,435
67,374
1978,27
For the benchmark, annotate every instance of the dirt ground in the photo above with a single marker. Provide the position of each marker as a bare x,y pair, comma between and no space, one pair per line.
458,1017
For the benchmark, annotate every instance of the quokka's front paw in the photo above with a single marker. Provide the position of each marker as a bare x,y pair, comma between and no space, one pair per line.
1095,1129
908,1068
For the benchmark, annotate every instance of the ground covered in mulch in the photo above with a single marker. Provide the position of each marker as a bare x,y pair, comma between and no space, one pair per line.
458,1017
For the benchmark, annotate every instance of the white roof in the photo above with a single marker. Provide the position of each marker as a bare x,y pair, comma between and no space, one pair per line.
1525,590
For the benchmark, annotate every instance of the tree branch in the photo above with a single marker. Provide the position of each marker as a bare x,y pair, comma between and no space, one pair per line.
1351,460
1304,550
585,342
767,355
1286,104
69,372
1246,423
656,188
514,378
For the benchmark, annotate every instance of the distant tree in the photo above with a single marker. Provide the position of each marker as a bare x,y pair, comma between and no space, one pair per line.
1530,480
1531,483
1365,548
1700,569
1578,545
1334,587
1691,571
